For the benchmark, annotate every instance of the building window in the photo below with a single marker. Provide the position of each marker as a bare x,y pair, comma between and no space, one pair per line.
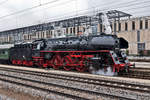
126,26
43,34
78,29
66,30
74,30
71,30
83,29
141,47
29,37
141,24
101,28
146,24
119,27
38,35
133,25
138,36
51,33
114,27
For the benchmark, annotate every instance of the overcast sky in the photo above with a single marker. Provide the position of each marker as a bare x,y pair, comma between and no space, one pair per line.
13,13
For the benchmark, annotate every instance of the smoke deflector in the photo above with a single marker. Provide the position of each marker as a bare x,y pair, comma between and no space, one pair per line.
123,43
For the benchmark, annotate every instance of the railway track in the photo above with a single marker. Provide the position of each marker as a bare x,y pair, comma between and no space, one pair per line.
139,73
33,84
6,78
74,79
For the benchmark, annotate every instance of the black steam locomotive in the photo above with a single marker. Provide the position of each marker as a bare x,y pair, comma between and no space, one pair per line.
98,54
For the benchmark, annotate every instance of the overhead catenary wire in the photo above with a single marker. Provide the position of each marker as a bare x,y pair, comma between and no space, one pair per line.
132,6
96,6
59,18
31,8
106,9
127,4
123,6
112,8
56,18
27,9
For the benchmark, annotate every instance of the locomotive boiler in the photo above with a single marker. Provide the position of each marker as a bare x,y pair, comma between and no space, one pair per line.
94,42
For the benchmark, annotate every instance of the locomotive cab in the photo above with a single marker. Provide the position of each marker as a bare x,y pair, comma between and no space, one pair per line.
37,47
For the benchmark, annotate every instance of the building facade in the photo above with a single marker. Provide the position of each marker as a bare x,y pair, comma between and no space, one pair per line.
136,31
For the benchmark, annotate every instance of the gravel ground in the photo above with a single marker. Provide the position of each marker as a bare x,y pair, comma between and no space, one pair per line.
100,89
9,94
35,93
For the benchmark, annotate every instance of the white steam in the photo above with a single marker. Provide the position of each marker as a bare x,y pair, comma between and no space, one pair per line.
106,72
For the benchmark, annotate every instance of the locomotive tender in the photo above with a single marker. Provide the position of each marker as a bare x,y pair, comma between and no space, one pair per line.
98,54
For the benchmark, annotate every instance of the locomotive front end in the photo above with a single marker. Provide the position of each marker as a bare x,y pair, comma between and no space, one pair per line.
110,60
